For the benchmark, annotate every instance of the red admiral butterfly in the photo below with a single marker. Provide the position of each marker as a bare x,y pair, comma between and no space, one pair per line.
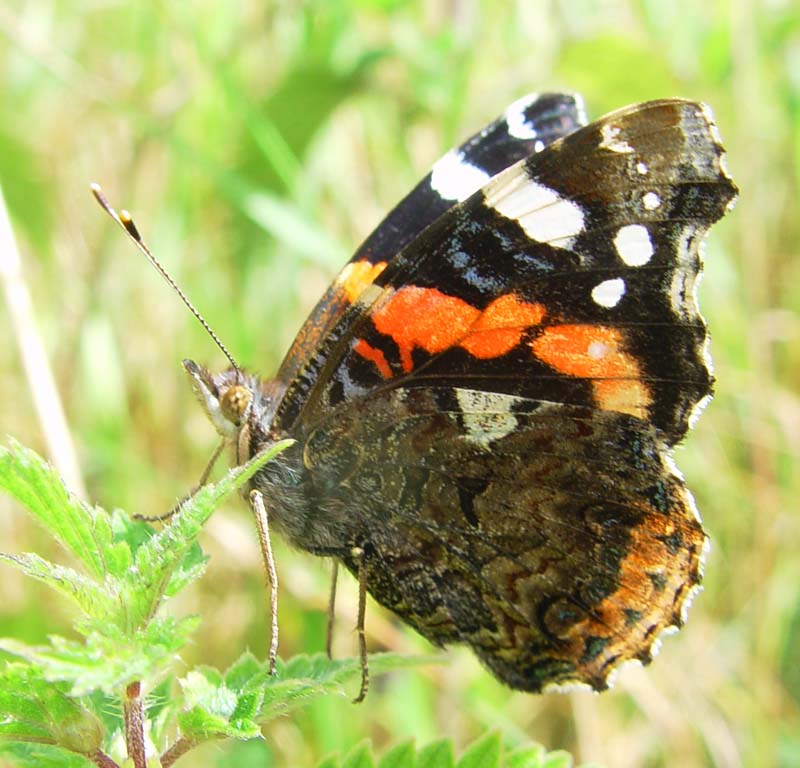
486,399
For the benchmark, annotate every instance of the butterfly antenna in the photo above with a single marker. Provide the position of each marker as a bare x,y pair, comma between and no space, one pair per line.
124,219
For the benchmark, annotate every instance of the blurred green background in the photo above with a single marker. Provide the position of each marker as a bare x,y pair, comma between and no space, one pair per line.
256,145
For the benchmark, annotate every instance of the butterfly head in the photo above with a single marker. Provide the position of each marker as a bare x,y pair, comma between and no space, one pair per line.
227,397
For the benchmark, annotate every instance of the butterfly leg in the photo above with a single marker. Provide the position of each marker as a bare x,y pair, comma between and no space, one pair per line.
260,512
331,609
358,555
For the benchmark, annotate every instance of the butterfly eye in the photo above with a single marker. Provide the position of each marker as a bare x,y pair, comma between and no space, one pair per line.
234,403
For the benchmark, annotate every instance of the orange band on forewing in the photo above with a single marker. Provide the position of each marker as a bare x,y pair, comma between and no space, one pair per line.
426,318
628,396
356,276
500,326
368,352
431,320
596,353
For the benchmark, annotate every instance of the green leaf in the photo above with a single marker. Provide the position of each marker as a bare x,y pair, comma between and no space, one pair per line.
558,759
359,756
107,661
35,710
399,756
304,677
437,754
484,753
531,756
320,667
192,567
136,566
246,671
158,558
213,710
82,530
127,536
237,703
24,755
92,599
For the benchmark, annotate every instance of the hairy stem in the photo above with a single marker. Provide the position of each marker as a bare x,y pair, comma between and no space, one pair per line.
134,724
102,760
179,748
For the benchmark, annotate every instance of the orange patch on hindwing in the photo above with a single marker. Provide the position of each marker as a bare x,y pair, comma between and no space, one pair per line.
425,318
656,578
596,353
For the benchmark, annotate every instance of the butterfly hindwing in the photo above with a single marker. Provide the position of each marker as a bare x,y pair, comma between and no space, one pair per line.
492,520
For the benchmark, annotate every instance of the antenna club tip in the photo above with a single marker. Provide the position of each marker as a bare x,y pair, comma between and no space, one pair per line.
95,187
125,216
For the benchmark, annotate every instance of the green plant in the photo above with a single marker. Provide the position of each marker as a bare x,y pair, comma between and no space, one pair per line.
67,702
486,752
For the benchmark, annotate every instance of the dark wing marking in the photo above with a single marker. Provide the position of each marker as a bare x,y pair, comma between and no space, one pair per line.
491,520
529,125
569,278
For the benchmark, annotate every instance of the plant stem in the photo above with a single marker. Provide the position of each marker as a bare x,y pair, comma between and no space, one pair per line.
179,748
102,760
134,724
41,382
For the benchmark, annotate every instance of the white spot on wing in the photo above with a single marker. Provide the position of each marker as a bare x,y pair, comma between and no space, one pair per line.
612,142
608,293
678,292
642,169
518,126
544,215
651,201
633,245
683,287
597,350
486,415
456,179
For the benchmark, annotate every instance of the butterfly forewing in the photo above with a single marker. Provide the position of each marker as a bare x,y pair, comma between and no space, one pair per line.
528,126
562,280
